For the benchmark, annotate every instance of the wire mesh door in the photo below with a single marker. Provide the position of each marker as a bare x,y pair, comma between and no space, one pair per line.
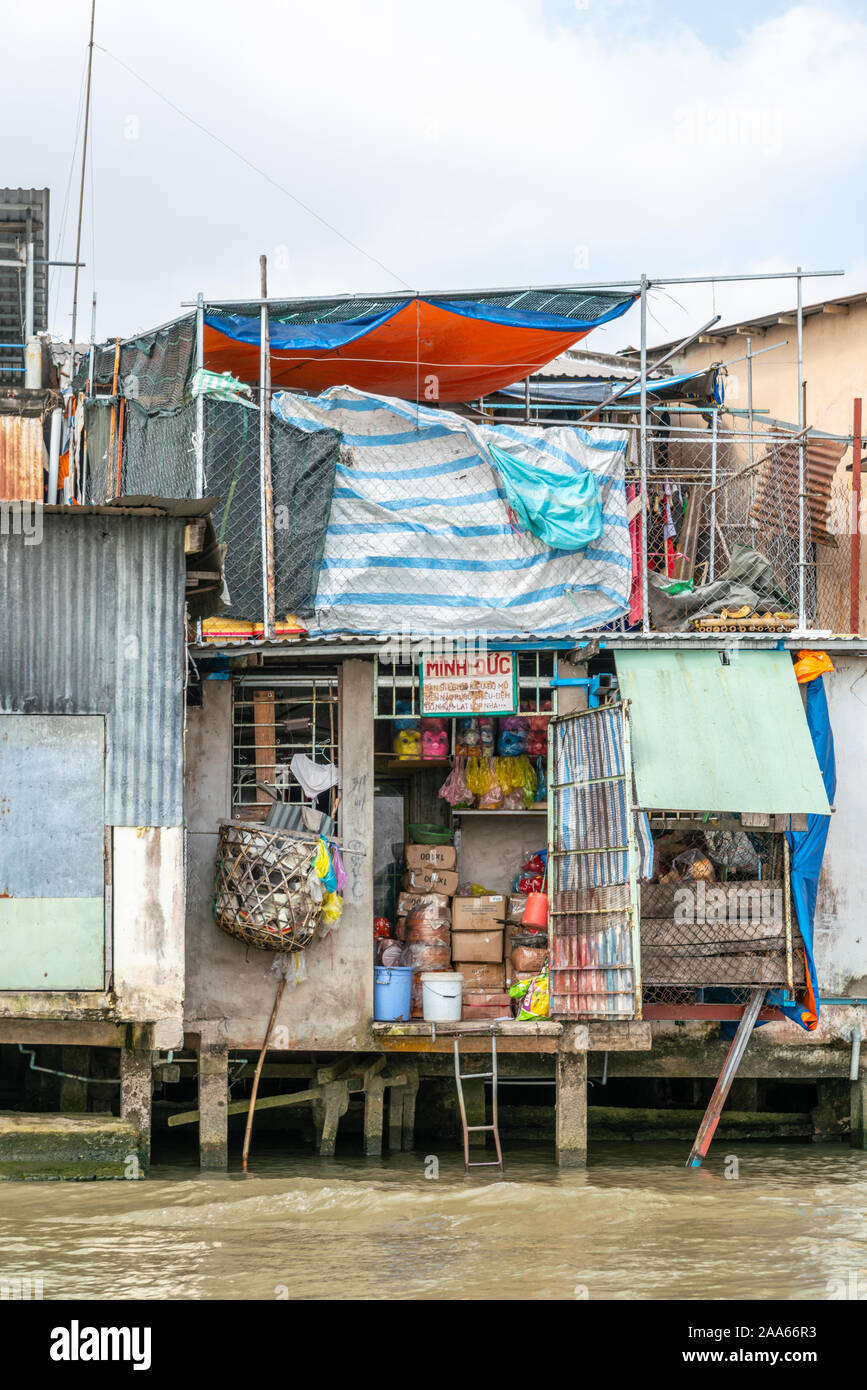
594,952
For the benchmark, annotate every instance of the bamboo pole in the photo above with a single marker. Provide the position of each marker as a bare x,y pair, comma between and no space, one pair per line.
254,1092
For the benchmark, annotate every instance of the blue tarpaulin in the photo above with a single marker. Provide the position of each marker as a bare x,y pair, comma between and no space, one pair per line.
564,511
808,849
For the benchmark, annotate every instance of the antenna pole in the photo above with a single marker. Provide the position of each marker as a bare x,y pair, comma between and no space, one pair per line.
83,167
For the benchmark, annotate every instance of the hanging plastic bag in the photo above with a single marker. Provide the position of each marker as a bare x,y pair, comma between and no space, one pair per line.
541,781
339,870
454,789
324,868
332,908
491,798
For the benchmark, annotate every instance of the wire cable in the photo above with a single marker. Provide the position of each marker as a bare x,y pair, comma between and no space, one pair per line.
255,167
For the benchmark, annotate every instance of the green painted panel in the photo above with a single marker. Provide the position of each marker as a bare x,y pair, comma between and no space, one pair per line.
707,736
51,943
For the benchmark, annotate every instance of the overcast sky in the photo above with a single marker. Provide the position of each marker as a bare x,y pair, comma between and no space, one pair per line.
460,143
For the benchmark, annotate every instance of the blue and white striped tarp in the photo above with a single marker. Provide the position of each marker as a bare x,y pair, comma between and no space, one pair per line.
420,536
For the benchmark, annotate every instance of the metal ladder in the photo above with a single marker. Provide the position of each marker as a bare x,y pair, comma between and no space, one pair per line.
491,1076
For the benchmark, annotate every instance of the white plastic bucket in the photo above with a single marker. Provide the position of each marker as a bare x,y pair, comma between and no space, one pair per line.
441,996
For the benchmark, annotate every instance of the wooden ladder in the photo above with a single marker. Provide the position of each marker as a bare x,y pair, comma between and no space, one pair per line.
460,1078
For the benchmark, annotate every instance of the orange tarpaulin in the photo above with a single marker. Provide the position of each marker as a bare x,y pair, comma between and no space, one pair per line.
419,350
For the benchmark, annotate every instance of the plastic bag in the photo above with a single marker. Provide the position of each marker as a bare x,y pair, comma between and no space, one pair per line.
332,908
491,798
454,789
487,733
339,870
693,865
812,664
434,744
541,780
533,996
407,744
324,868
467,737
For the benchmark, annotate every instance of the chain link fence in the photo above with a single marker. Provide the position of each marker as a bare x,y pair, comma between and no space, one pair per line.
724,527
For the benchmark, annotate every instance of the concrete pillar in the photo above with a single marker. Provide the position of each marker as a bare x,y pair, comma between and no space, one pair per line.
571,1099
136,1087
213,1104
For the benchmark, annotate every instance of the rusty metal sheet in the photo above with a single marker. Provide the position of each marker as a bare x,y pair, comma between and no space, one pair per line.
21,458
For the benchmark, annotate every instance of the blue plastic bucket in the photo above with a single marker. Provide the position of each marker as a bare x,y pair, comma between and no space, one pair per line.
392,988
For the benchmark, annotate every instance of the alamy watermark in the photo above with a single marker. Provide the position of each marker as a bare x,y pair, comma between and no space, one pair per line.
22,519
713,904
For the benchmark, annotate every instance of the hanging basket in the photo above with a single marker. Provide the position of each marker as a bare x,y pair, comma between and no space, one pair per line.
262,897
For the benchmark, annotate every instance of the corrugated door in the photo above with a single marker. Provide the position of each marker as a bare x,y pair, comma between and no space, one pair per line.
594,949
52,878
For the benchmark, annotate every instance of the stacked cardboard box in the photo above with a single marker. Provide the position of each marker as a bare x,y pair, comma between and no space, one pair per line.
522,947
477,952
429,884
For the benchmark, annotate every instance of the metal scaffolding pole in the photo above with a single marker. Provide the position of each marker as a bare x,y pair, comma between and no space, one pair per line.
267,492
645,610
711,574
802,471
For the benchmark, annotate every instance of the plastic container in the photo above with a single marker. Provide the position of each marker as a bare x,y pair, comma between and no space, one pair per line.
536,911
422,834
442,996
392,988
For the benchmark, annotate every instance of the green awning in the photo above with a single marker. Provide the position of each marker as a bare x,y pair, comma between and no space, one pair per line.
710,734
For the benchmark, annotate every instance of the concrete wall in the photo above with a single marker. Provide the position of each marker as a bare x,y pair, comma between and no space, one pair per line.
230,988
492,849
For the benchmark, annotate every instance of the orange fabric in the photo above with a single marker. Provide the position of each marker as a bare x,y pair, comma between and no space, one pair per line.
63,469
467,357
810,1012
812,664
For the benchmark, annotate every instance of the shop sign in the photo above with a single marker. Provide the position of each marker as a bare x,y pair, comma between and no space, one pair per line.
485,683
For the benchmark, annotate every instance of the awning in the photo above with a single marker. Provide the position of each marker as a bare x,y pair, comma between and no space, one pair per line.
704,387
720,731
441,348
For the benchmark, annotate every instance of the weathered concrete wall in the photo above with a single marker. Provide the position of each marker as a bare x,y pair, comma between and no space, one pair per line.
230,988
492,850
148,898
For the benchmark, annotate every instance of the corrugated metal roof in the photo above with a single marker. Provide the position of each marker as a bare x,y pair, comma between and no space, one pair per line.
21,455
91,622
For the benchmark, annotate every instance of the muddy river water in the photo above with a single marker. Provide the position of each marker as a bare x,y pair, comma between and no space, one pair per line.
792,1224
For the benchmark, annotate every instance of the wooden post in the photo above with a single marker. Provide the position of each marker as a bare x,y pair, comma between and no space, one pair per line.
265,740
707,1128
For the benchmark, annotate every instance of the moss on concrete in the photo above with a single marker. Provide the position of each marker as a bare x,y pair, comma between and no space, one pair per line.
77,1147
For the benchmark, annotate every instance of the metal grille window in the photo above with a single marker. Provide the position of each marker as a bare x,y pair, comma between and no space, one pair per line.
594,958
275,717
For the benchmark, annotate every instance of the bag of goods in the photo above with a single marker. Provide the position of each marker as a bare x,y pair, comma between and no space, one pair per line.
537,735
532,874
381,927
421,955
434,741
532,996
541,781
514,801
428,931
468,737
528,957
487,733
407,744
389,952
694,865
492,798
513,736
454,789
474,890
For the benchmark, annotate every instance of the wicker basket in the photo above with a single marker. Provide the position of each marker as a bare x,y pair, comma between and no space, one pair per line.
262,896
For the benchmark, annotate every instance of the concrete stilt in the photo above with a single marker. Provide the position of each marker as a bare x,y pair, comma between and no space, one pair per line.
374,1106
213,1105
571,1101
136,1092
410,1095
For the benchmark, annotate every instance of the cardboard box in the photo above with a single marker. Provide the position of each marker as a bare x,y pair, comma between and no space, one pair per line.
429,880
478,976
478,914
432,856
407,901
486,1000
477,946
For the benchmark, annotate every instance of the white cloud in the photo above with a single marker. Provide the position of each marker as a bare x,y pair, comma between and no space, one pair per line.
463,144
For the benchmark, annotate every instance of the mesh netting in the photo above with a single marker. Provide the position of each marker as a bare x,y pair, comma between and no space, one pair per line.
569,304
154,369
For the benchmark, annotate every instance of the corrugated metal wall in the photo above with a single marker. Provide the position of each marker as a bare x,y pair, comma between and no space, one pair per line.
21,453
91,622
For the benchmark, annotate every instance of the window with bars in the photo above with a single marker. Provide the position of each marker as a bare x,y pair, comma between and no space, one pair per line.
274,717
